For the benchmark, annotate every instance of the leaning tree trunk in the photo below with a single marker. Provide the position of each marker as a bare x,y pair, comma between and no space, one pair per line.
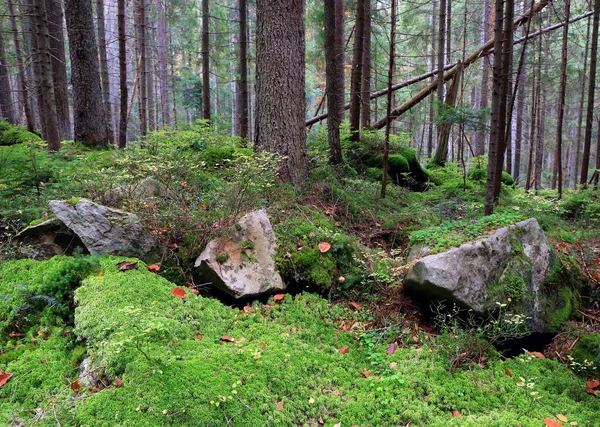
59,66
6,100
104,69
205,62
280,97
89,114
334,60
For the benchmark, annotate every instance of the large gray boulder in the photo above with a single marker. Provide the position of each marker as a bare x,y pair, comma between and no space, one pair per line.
241,263
507,267
104,230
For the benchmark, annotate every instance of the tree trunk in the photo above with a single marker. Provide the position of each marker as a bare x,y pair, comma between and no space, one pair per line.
140,39
585,162
242,82
32,56
104,69
122,74
441,56
357,67
163,63
89,114
49,116
485,78
22,77
432,100
519,119
59,66
391,69
366,70
6,100
150,104
577,157
205,63
334,59
535,95
280,97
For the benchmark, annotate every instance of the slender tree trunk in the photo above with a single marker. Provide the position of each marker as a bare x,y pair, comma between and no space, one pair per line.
205,62
150,104
122,74
6,100
519,119
366,70
356,77
59,66
280,80
90,118
32,53
140,36
539,152
104,69
50,116
432,99
441,55
535,94
22,77
485,78
334,57
577,158
242,82
561,102
587,142
163,62
391,69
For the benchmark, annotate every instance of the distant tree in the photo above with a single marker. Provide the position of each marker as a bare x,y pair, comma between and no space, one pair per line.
122,74
205,61
104,78
6,101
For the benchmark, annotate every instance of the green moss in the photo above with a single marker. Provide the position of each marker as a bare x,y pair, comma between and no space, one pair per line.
507,179
587,350
560,309
73,201
11,135
222,258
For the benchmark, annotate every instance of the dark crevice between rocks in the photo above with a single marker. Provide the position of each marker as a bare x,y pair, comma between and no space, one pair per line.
537,341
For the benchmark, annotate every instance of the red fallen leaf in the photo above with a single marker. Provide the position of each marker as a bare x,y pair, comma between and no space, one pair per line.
551,422
593,382
178,292
154,267
562,247
343,350
355,306
118,382
227,338
126,265
4,377
366,374
537,354
75,386
507,372
324,247
280,406
278,297
392,348
591,391
456,413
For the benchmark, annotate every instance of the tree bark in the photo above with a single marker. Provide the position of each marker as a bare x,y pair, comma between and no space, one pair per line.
576,160
32,53
105,82
163,63
205,62
432,100
391,69
485,77
280,97
357,67
7,108
441,56
122,74
334,59
365,108
242,82
89,114
140,46
150,104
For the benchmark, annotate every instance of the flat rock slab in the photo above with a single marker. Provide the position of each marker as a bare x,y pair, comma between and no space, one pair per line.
104,230
241,264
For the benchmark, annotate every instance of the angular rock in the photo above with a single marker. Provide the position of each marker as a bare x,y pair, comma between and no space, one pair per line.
104,230
241,264
507,267
46,239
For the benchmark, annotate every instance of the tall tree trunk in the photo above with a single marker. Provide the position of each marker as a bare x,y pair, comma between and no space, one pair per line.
22,77
163,62
104,69
561,102
140,38
541,118
391,69
441,55
242,82
334,59
356,77
280,97
50,116
59,66
89,113
535,95
519,119
151,105
577,157
122,74
366,69
7,108
32,52
432,99
587,142
485,78
205,62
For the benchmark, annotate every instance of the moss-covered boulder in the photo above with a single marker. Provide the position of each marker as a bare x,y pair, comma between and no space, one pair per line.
11,135
511,266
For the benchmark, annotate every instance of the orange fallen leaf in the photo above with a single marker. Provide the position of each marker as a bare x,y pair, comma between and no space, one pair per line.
366,374
195,291
178,292
392,348
537,354
324,247
280,406
591,391
154,267
562,418
456,413
118,382
562,247
343,350
126,265
101,274
227,338
593,382
355,306
294,329
4,377
75,386
551,422
248,309
278,297
507,372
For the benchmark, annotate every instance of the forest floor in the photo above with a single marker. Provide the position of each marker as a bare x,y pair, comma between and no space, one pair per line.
359,353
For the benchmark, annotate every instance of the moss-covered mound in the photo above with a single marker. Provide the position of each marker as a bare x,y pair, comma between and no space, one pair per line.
11,135
173,362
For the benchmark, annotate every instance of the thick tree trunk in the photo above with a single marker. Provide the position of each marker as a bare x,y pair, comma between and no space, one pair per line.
104,69
22,77
334,59
122,74
59,66
140,46
356,77
89,114
587,142
7,109
205,62
32,54
280,97
242,82
365,108
163,63
49,117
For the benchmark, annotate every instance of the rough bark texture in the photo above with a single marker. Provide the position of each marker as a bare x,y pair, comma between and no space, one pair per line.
29,31
163,63
441,54
104,69
89,115
59,66
140,46
242,82
365,111
6,100
205,63
432,100
519,120
280,97
356,78
485,77
49,115
122,74
334,58
391,69
580,111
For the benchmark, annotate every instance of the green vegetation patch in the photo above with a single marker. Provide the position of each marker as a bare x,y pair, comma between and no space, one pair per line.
11,135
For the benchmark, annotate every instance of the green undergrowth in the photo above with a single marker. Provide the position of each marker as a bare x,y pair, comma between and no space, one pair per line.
11,135
198,362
